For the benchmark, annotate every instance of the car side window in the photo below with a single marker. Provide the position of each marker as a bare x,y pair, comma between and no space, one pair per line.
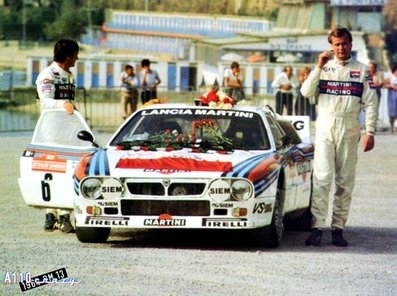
290,132
277,132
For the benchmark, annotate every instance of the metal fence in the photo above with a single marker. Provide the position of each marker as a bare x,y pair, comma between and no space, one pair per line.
19,109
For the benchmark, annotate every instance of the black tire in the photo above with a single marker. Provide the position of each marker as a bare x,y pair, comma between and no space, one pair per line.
270,236
92,234
303,222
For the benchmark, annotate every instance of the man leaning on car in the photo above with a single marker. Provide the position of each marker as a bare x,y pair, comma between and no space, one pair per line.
56,89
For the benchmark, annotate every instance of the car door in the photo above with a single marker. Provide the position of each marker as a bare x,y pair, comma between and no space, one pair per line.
48,162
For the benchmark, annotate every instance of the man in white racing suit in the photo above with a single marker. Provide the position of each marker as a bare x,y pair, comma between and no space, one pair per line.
56,89
340,86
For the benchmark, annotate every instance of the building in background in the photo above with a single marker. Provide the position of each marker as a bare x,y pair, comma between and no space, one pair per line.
192,51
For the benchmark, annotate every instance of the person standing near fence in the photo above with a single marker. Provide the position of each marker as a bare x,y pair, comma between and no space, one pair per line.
302,104
342,87
286,84
391,85
377,78
129,92
233,82
149,79
56,89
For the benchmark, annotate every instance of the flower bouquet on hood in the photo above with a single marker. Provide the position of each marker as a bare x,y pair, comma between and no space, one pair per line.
216,98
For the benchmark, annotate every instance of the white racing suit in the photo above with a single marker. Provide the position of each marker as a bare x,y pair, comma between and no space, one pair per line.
55,86
340,91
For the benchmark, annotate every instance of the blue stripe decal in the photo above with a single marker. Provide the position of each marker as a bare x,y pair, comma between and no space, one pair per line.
76,185
265,183
99,165
93,160
242,164
244,167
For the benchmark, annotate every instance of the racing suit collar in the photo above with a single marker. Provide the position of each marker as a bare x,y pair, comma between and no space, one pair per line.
342,63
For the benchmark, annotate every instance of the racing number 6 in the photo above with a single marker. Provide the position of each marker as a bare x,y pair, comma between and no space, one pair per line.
45,187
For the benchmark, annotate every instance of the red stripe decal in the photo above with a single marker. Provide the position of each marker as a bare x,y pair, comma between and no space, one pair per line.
170,163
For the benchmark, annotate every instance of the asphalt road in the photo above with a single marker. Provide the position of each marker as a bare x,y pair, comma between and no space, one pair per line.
206,263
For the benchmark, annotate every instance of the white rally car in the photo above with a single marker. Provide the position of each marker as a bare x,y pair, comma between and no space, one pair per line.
173,166
180,166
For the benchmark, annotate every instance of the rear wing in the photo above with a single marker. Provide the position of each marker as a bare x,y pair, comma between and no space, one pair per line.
301,125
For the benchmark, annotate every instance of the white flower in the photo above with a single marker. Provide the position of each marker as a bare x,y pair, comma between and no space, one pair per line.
221,95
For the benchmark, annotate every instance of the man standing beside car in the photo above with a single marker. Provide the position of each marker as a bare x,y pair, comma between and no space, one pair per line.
56,89
149,80
129,91
341,86
286,84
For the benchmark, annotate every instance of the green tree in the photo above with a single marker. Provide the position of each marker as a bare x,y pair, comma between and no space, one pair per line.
48,19
70,23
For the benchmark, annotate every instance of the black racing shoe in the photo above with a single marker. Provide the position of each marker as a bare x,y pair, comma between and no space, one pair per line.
50,221
65,226
338,239
314,238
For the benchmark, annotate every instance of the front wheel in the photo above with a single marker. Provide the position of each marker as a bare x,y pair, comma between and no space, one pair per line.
270,236
92,234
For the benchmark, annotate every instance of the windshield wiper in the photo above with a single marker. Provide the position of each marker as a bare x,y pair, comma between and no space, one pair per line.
135,143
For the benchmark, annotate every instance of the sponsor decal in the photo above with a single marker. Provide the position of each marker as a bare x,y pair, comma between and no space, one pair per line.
341,88
49,163
260,208
329,69
112,188
229,113
164,220
219,190
108,221
64,91
222,205
165,171
224,222
108,203
303,167
355,74
371,83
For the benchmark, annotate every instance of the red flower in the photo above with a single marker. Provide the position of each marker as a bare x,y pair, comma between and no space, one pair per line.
228,100
212,96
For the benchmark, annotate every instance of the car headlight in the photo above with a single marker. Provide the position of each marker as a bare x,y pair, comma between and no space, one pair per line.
241,190
91,188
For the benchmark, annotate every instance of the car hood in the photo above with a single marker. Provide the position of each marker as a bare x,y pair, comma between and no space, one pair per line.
180,163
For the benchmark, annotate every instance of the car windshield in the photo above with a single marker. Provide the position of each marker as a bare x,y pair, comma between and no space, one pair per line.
203,129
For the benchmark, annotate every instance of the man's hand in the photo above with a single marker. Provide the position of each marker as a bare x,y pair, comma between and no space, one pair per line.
286,86
324,57
368,142
69,107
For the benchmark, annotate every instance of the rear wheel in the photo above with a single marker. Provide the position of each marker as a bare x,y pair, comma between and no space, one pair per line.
92,234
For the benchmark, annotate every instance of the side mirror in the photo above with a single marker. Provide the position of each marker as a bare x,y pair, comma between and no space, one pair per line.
87,136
